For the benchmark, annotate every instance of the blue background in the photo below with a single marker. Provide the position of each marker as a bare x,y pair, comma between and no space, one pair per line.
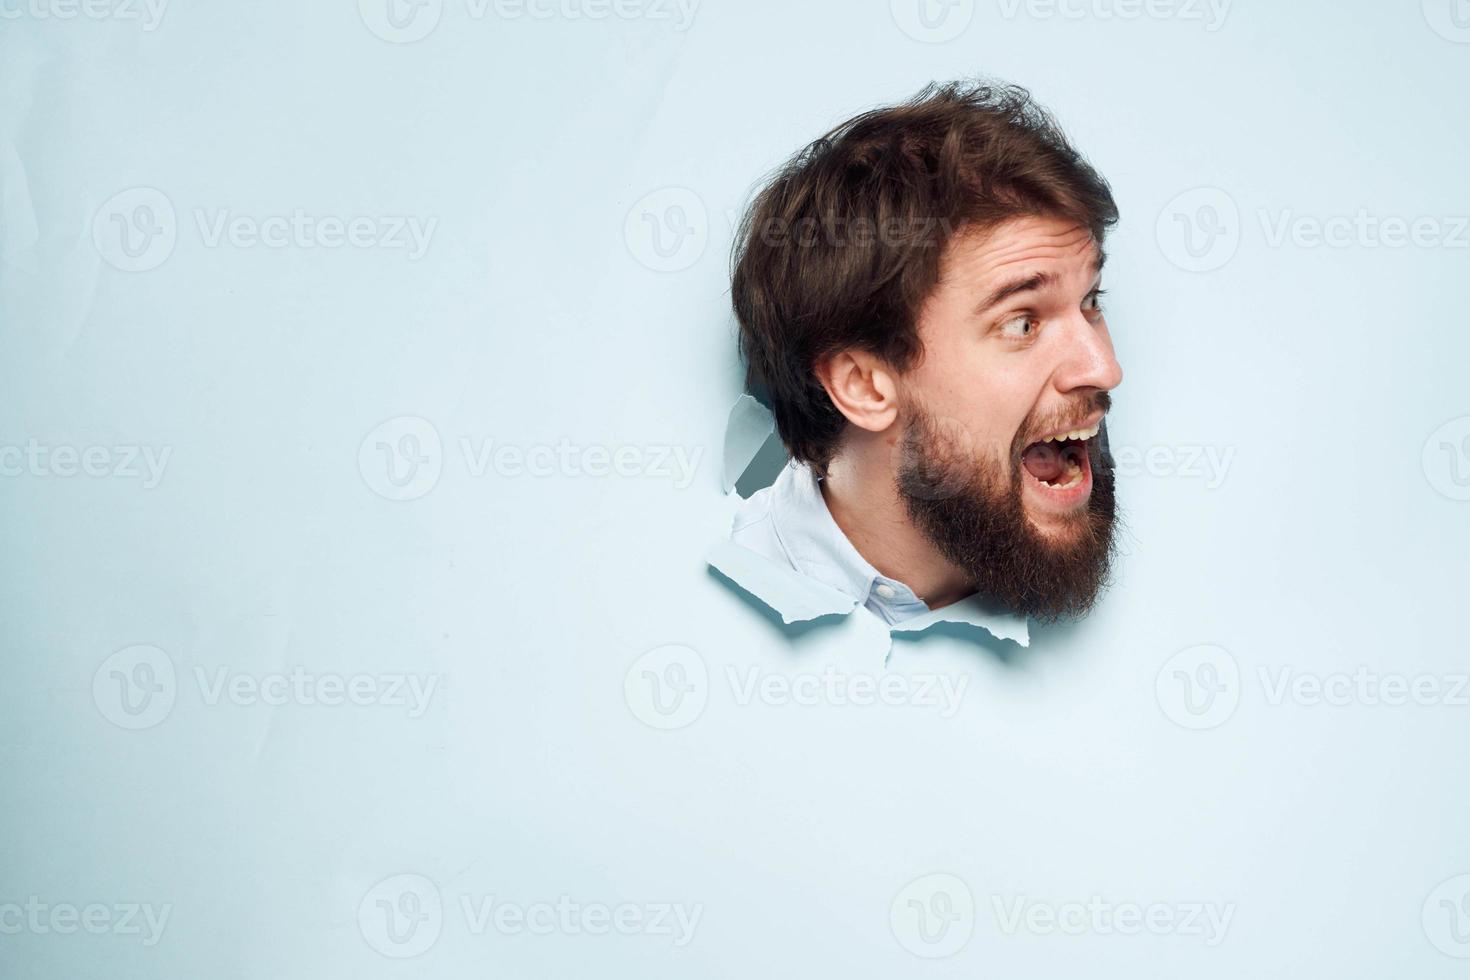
583,176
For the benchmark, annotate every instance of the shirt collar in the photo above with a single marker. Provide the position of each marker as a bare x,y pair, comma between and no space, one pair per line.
820,550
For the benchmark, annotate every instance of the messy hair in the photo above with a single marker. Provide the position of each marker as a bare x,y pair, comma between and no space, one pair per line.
840,248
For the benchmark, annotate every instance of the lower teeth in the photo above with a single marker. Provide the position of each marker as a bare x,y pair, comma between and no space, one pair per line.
1074,477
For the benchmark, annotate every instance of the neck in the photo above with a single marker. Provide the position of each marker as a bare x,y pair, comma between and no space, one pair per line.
862,495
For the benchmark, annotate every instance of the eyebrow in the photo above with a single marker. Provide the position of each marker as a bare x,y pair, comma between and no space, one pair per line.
1029,284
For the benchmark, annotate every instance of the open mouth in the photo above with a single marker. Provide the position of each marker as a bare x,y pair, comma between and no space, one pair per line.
1059,462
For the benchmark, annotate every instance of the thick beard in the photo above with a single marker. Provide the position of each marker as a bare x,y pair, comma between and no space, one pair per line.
972,513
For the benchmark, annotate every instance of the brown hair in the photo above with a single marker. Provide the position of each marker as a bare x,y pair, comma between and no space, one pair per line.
842,246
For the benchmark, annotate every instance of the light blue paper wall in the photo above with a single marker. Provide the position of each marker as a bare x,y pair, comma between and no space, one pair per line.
1293,432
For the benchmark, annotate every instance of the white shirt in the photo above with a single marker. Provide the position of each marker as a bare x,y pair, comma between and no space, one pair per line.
787,551
789,522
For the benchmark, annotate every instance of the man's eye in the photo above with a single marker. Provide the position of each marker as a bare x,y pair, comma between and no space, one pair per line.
1019,327
1094,300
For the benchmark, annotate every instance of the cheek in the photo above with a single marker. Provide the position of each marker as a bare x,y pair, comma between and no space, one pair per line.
977,399
1005,421
978,426
994,410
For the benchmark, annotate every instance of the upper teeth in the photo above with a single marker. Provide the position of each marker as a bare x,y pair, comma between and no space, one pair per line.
1079,434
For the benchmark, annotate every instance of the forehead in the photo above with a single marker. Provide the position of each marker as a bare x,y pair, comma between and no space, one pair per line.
1019,244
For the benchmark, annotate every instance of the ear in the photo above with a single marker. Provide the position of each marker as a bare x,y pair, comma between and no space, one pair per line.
862,386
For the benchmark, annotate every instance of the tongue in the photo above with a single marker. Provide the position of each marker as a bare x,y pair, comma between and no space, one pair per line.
1043,460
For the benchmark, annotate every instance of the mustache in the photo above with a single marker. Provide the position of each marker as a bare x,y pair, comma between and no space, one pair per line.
1071,416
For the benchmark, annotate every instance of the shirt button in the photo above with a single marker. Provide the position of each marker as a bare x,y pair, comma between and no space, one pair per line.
885,591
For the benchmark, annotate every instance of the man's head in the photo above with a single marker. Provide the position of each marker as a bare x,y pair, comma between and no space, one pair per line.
924,281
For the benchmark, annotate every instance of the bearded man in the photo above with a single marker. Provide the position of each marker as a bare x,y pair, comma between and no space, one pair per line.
919,302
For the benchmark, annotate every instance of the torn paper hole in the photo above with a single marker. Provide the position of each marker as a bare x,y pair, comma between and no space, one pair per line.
774,578
749,431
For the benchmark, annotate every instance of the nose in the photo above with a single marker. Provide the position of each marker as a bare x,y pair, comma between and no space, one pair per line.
1088,361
